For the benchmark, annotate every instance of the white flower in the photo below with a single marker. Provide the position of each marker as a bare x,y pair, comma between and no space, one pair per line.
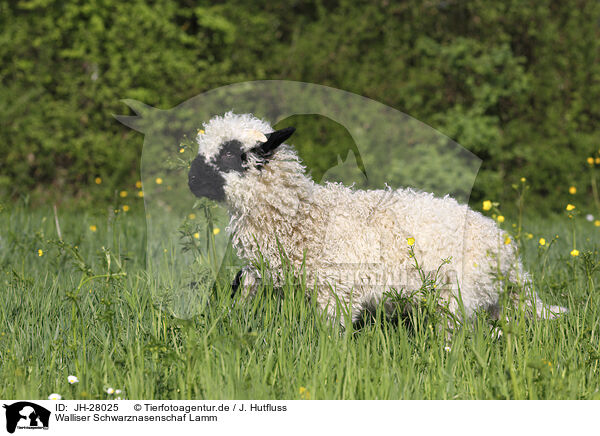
54,396
118,398
118,391
446,348
110,391
589,217
73,379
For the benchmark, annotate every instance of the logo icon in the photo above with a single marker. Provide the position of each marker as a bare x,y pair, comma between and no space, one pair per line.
26,415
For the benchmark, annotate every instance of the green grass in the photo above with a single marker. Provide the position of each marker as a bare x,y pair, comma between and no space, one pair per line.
94,312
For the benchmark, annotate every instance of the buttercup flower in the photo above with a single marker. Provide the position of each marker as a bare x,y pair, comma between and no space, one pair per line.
98,180
500,218
123,194
125,208
141,194
507,240
597,223
575,253
192,216
216,231
590,160
304,394
570,207
572,190
410,241
159,181
138,184
181,150
93,228
523,179
197,235
542,241
40,252
487,205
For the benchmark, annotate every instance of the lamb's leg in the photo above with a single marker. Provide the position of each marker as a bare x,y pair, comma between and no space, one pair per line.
338,308
249,279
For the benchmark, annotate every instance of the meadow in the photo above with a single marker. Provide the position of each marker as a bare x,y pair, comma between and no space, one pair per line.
83,304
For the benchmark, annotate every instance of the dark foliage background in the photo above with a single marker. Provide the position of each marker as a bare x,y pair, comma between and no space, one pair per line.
517,83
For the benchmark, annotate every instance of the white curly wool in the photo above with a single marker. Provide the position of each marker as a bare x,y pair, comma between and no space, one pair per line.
221,129
353,244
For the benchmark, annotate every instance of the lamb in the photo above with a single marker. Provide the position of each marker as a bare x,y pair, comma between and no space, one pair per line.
354,245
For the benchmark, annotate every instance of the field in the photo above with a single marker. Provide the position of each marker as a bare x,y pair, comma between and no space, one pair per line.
86,306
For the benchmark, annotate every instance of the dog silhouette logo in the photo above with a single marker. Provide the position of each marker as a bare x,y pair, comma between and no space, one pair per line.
26,415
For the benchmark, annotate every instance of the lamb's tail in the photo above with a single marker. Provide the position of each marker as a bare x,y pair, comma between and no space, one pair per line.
532,299
551,312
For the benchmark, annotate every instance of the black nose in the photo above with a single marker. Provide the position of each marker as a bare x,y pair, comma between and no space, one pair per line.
205,181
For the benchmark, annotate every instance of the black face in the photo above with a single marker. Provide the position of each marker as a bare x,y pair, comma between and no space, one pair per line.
207,180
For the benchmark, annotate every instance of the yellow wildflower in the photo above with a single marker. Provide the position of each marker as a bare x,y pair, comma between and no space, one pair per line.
575,253
192,216
197,235
542,241
159,181
500,219
123,194
304,394
487,205
125,208
200,132
141,194
216,231
572,190
597,223
40,252
93,228
570,207
529,235
507,240
181,150
98,180
590,160
523,179
597,160
410,241
138,184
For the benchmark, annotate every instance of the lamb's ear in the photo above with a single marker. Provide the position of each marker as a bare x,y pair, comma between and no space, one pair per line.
274,140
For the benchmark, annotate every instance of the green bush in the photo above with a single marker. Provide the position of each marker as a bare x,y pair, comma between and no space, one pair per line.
517,83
